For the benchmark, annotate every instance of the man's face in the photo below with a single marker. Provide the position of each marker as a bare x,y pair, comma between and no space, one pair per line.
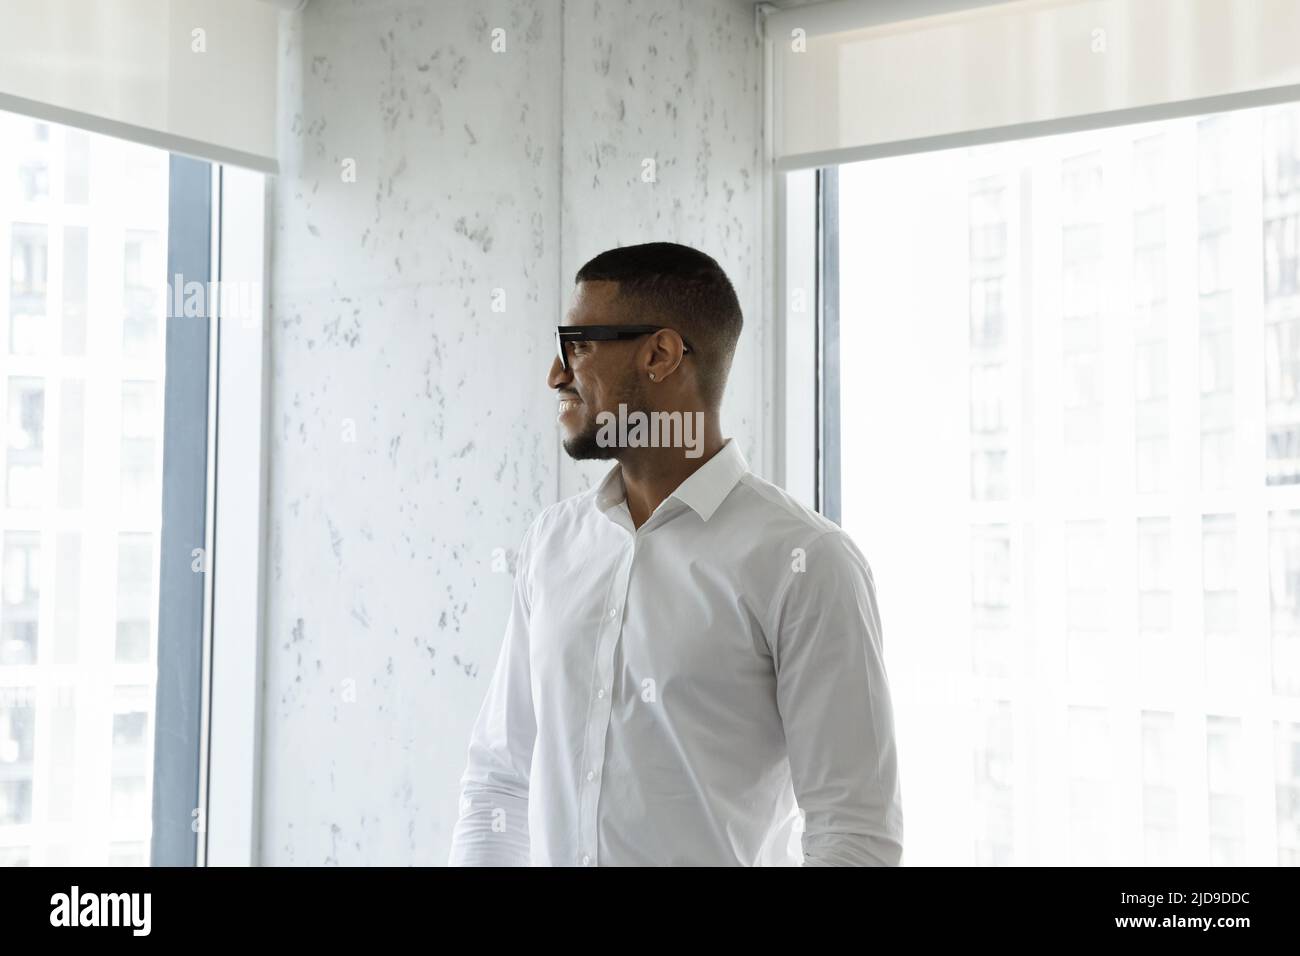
601,374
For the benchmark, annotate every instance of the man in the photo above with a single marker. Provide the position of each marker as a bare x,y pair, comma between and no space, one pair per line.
689,651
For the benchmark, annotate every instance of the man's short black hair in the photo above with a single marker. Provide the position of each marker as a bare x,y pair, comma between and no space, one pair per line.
680,287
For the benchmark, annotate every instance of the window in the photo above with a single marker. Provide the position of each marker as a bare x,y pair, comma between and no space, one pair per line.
28,276
1287,763
17,751
26,452
1069,445
84,227
1159,789
21,596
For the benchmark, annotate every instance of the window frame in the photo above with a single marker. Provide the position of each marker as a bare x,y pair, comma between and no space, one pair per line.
211,589
182,594
232,797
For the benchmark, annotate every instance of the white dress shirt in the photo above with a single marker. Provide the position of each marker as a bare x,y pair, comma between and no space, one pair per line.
665,694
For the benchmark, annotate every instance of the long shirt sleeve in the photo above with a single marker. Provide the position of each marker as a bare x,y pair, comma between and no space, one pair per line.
834,700
492,828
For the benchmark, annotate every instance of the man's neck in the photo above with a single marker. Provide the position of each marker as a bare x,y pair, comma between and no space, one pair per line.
652,474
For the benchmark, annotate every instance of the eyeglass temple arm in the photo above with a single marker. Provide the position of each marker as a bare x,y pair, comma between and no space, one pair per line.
602,336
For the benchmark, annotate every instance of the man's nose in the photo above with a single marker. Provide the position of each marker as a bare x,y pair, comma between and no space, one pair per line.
558,376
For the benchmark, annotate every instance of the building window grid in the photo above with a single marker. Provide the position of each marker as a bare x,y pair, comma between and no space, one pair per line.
988,238
1216,355
85,199
1159,789
1150,332
1184,831
1281,281
1287,763
1082,310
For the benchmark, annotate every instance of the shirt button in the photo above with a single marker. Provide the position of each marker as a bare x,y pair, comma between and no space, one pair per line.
613,612
586,861
601,692
591,775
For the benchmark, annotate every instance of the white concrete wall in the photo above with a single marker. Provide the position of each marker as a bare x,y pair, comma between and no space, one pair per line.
413,434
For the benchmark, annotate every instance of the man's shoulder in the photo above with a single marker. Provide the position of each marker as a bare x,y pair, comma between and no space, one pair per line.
772,512
770,517
557,513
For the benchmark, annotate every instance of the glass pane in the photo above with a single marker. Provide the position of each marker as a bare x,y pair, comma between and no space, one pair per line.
82,389
1050,343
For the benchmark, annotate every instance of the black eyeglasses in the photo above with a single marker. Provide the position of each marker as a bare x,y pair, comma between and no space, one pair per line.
603,333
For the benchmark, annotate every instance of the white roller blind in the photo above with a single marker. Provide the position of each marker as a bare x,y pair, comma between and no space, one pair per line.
878,77
192,76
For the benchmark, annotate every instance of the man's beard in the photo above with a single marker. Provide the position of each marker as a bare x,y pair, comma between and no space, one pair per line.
585,446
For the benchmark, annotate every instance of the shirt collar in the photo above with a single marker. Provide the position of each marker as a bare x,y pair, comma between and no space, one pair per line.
703,491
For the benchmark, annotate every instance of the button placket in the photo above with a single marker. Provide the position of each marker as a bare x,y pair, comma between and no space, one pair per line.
601,706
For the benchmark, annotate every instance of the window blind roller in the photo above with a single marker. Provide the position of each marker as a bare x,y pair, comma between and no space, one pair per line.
193,76
854,79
